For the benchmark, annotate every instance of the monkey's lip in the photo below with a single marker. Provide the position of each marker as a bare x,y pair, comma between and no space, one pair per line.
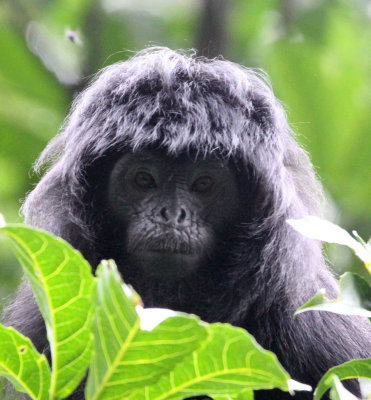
165,262
169,252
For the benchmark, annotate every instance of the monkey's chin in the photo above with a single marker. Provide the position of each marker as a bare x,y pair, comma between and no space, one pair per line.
165,264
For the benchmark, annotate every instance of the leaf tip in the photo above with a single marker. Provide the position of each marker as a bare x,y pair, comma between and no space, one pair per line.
132,294
152,317
298,386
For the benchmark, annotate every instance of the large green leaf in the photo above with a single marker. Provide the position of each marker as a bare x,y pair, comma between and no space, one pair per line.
229,363
63,286
23,365
126,357
349,370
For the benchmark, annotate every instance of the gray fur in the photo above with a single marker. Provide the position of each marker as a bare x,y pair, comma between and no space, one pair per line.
180,103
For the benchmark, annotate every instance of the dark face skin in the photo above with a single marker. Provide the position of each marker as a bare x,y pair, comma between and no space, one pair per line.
173,210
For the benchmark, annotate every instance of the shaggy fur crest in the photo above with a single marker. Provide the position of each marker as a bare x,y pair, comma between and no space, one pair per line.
178,102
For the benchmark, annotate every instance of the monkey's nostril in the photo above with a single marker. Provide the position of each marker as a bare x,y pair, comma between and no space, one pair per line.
182,215
164,214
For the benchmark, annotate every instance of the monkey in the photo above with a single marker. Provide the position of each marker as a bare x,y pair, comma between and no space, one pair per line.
184,170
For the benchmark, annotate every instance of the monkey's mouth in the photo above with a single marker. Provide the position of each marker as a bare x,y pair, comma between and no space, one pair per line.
169,251
166,262
184,249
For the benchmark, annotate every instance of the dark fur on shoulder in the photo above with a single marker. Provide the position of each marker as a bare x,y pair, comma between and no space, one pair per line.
264,270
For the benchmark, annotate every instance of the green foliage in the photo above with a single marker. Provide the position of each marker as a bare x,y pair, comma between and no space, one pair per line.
338,391
245,395
138,353
23,365
63,286
320,70
230,362
320,229
348,370
354,299
126,357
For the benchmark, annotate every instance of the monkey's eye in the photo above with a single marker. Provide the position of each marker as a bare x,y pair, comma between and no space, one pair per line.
144,180
202,185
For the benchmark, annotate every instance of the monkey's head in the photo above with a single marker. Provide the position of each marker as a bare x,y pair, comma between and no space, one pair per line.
168,163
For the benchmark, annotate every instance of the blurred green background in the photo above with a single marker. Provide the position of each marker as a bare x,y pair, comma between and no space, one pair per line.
317,53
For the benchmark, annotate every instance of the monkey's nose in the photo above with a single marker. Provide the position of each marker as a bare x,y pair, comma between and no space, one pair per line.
177,216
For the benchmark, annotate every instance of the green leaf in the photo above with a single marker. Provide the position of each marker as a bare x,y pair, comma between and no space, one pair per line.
320,229
63,286
349,370
230,362
126,357
245,395
20,362
338,391
354,299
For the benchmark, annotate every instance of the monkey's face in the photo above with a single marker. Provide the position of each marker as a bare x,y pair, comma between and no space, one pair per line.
172,210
